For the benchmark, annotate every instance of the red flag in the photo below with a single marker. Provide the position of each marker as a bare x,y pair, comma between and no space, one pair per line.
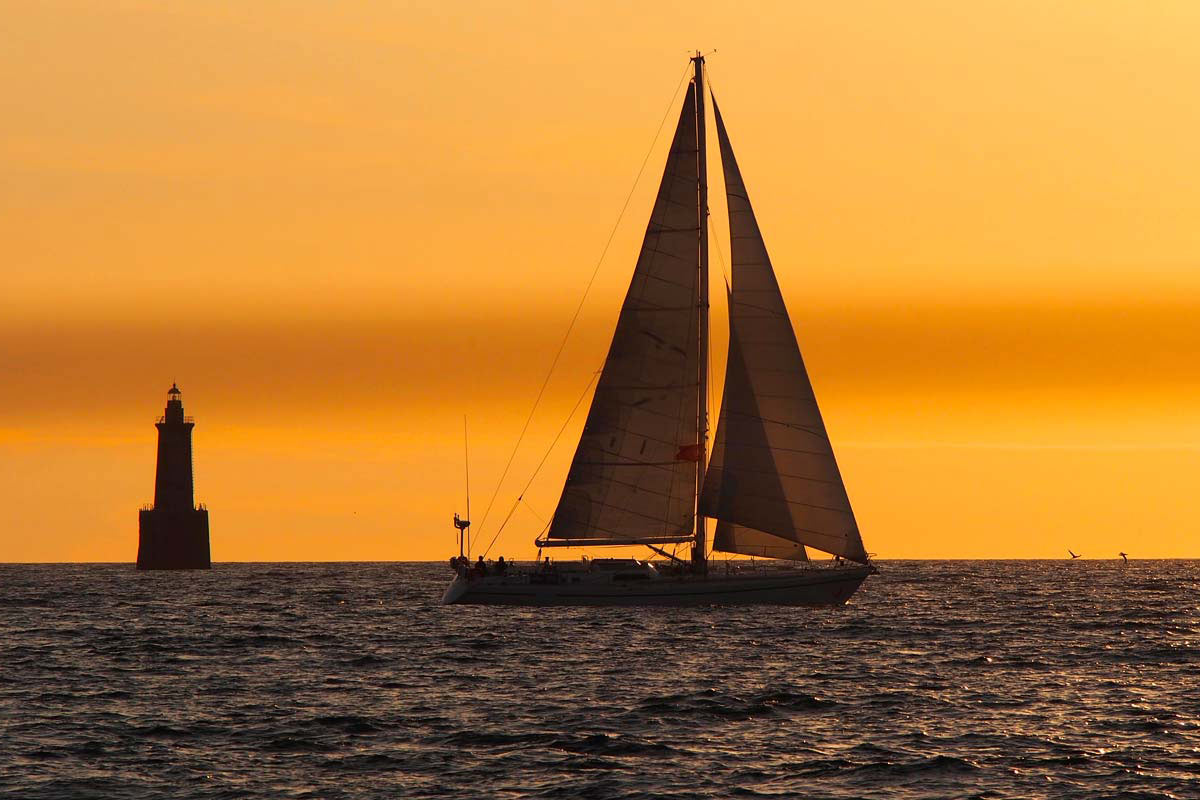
690,452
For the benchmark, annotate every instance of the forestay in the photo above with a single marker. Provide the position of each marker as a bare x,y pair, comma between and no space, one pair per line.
633,477
773,468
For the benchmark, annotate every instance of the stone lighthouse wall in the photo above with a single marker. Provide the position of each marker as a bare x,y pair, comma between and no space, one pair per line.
173,534
173,539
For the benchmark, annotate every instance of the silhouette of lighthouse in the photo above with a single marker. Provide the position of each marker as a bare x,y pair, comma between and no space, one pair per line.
173,533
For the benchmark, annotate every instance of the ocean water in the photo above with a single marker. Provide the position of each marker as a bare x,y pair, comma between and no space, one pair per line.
938,680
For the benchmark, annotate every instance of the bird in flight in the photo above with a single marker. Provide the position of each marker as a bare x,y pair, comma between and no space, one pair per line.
1073,555
1124,557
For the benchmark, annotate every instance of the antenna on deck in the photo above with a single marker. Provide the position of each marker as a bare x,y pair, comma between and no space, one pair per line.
464,525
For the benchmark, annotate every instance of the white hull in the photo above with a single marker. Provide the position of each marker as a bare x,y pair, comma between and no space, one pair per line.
801,587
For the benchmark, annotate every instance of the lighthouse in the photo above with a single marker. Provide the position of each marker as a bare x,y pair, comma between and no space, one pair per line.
173,533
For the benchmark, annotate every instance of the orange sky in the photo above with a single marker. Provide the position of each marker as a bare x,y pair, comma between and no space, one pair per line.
342,226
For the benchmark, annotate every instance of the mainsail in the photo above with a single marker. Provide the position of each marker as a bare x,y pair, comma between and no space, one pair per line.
773,471
633,478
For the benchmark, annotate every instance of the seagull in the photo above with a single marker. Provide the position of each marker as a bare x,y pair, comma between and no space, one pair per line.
1073,555
1124,557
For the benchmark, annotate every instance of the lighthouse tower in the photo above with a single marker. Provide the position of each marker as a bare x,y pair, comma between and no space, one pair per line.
173,533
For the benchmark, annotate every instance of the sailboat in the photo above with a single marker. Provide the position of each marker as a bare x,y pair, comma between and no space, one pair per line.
642,474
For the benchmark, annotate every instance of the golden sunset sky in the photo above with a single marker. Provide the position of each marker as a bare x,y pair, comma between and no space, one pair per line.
342,226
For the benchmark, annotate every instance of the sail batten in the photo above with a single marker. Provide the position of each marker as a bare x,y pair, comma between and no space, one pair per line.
773,482
627,483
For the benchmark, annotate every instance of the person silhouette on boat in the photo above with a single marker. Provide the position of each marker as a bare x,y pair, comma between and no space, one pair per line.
480,568
501,565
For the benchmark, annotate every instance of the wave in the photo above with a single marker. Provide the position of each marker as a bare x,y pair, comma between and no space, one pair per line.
263,681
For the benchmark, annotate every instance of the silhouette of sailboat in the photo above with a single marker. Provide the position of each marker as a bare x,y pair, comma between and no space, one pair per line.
641,475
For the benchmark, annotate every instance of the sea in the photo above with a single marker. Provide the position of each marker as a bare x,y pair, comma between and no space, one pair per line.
940,679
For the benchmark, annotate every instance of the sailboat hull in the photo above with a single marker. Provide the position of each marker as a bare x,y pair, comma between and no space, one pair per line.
807,587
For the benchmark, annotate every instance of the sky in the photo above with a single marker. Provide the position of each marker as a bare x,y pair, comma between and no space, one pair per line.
342,227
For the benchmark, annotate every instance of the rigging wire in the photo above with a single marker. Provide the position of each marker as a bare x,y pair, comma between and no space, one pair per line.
467,475
721,259
536,515
541,463
467,464
711,384
715,240
575,317
720,255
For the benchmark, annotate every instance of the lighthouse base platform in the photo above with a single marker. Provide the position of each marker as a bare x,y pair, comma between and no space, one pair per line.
173,539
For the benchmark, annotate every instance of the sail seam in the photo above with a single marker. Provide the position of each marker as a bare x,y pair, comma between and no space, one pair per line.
614,532
664,522
633,387
819,534
655,309
819,432
799,503
631,431
821,453
675,463
779,473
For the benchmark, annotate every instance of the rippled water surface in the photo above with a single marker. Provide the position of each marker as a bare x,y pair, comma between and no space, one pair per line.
940,679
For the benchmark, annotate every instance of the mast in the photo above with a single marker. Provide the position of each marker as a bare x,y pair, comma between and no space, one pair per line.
699,561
